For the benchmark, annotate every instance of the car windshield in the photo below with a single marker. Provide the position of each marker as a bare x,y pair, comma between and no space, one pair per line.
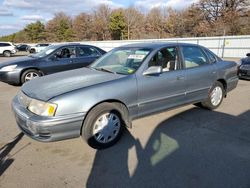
46,51
122,60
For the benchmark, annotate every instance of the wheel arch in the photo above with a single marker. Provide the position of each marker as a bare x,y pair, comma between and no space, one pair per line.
30,68
7,51
224,83
124,111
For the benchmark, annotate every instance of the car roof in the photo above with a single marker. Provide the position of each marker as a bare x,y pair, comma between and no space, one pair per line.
156,45
70,44
6,42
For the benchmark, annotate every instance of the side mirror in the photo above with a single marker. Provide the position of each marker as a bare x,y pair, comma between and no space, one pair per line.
153,70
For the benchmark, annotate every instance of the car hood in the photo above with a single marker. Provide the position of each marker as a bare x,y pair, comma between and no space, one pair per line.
17,61
47,87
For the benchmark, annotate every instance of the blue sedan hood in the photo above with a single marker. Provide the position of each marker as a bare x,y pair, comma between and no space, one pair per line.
53,85
18,61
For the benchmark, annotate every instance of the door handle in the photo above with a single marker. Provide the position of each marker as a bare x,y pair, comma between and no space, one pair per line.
71,61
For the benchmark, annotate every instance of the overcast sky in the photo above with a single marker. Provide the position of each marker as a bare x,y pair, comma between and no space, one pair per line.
15,14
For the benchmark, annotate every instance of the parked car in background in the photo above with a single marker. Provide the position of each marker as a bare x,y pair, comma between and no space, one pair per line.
55,58
244,67
126,83
7,49
22,47
37,48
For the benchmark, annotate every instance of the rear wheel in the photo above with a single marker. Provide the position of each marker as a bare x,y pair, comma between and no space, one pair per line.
215,96
103,126
7,53
29,75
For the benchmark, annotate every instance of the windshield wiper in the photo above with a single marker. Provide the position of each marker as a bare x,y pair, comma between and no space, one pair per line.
104,70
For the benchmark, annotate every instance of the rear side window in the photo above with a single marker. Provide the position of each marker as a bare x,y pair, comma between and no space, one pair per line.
193,56
211,56
87,51
4,44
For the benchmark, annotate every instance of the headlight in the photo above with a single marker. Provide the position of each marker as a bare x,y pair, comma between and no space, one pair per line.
42,108
8,68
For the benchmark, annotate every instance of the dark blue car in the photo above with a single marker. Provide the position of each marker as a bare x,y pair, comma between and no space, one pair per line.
244,68
55,58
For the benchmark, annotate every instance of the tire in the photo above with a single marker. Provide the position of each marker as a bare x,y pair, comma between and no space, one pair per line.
32,51
7,53
97,132
215,97
30,74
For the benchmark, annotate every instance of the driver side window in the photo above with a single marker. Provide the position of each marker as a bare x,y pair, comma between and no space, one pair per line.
66,52
166,58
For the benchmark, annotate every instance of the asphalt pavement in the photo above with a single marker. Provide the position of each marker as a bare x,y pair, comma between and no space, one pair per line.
186,147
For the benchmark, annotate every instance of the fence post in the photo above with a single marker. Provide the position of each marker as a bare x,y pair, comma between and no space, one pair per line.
223,47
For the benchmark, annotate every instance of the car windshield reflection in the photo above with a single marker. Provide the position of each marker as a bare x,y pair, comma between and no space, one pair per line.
122,60
45,51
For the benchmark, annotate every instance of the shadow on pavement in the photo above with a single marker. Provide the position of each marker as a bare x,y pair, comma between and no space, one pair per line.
196,148
5,162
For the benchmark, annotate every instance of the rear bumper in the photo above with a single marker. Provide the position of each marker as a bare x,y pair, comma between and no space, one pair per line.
12,77
47,129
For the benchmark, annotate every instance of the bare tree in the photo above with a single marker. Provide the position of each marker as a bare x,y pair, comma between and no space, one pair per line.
155,20
101,22
82,26
135,23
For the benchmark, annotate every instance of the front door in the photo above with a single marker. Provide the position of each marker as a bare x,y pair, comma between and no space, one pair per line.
61,60
85,56
164,90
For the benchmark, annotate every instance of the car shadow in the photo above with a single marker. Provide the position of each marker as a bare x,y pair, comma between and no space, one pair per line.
196,148
5,161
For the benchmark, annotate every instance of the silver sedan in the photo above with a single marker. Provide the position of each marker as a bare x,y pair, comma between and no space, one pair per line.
129,82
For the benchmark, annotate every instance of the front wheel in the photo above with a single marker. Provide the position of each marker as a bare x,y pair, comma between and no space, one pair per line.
29,75
103,126
215,96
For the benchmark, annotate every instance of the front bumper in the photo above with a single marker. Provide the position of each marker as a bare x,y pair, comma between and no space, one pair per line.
245,74
47,129
13,51
12,77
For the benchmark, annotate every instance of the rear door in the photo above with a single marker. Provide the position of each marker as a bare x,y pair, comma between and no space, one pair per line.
165,90
85,55
200,72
